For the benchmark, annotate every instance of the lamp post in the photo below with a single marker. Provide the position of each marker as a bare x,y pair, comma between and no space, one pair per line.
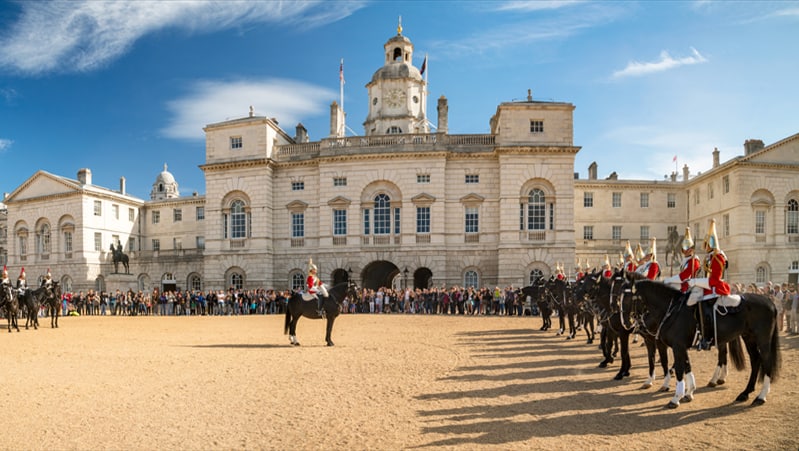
406,276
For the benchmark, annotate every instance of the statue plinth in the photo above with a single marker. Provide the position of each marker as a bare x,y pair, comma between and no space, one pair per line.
123,282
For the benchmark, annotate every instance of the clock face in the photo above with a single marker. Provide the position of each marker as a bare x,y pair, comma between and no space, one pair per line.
394,98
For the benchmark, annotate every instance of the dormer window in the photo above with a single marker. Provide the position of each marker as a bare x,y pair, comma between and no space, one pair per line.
393,130
235,142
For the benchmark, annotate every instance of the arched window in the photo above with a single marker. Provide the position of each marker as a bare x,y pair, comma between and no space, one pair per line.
470,279
394,130
536,210
238,220
44,239
298,281
195,282
761,274
382,212
535,276
236,281
792,217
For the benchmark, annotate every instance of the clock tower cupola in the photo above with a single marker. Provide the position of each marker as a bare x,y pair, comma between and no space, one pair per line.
397,94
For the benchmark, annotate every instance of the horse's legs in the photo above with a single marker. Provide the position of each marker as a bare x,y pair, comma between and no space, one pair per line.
329,330
754,362
626,364
720,373
561,321
293,330
680,363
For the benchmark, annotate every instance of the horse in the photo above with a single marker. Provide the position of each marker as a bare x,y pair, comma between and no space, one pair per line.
754,321
52,299
537,294
9,301
119,256
30,303
298,307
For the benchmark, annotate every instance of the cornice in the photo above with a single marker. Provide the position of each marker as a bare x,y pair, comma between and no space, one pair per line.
627,184
537,149
236,164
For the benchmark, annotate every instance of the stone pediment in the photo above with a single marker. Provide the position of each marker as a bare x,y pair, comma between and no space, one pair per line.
423,199
297,206
42,184
472,198
339,201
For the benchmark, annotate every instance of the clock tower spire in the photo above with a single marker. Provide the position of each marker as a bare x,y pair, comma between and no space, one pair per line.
397,95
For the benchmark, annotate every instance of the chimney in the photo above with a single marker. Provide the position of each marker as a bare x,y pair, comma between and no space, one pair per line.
302,134
674,176
529,95
336,121
752,145
592,171
685,173
715,157
443,113
122,185
85,176
613,176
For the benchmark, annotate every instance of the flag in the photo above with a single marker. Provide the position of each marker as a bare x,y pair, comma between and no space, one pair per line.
424,66
341,71
674,159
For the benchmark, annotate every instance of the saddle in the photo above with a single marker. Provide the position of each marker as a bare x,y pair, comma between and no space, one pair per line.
308,296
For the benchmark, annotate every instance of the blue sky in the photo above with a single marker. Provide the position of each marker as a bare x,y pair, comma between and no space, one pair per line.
124,87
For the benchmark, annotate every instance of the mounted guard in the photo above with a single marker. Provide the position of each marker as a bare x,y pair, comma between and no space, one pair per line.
690,266
22,282
578,271
607,271
650,267
559,272
47,281
713,287
315,288
4,280
629,262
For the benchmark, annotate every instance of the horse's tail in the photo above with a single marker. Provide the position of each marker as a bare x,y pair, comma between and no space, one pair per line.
737,354
288,320
771,366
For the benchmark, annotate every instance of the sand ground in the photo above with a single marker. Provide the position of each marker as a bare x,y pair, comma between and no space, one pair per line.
391,382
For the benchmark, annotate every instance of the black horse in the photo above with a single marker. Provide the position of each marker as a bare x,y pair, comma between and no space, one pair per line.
754,320
44,296
298,307
537,293
9,302
30,303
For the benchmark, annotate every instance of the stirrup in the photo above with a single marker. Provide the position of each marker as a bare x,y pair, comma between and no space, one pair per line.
321,313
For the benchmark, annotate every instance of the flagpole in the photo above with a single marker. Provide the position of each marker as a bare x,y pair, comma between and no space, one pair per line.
426,91
341,94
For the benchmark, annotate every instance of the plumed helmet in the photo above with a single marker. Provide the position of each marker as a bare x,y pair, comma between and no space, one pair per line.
5,271
711,239
687,241
311,266
577,265
639,252
606,263
653,249
628,250
621,260
22,273
48,275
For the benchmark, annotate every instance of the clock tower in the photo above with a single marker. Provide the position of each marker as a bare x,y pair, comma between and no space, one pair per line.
397,94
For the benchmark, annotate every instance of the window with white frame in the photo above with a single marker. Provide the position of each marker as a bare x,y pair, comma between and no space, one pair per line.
761,274
472,179
760,222
199,242
67,241
616,200
644,200
536,126
393,130
177,243
199,214
115,211
98,241
472,220
236,281
696,196
195,282
177,215
156,244
236,142
615,233
710,191
238,220
339,181
131,215
792,217
297,281
588,232
725,184
156,217
671,200
131,244
340,222
23,245
297,186
422,178
44,239
644,233
382,215
725,225
588,200
535,211
471,279
422,219
535,276
297,225
98,208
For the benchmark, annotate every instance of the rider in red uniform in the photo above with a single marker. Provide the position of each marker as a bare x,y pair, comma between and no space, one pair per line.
578,271
559,272
713,285
629,258
607,272
316,287
690,266
650,268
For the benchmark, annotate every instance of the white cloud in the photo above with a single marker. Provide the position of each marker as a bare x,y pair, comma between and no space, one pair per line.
666,62
209,102
5,144
536,5
84,35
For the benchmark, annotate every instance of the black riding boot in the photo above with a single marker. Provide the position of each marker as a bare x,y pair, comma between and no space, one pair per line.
705,330
320,306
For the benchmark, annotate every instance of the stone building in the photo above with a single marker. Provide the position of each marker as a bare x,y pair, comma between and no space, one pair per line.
400,205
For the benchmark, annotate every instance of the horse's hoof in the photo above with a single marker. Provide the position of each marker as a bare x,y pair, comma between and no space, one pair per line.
711,384
758,402
672,405
330,343
645,386
663,389
568,338
720,382
742,397
687,398
618,377
603,365
295,344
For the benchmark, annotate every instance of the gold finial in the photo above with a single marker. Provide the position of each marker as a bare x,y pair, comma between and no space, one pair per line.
399,26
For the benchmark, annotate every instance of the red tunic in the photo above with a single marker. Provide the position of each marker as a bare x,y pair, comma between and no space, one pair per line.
579,276
714,266
607,274
560,276
313,282
629,267
688,270
653,270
